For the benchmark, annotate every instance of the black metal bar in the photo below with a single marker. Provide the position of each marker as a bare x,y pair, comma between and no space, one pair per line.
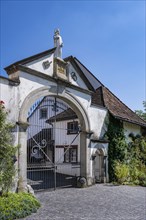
45,170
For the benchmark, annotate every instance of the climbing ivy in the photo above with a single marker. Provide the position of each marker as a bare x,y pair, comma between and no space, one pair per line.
117,145
127,161
7,152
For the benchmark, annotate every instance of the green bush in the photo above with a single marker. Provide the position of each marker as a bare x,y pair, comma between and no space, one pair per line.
134,171
17,205
7,152
126,161
142,175
136,155
121,172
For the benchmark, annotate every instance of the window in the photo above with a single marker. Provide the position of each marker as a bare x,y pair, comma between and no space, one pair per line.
43,113
72,127
70,155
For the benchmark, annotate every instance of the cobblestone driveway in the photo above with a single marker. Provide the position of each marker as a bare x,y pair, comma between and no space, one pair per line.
99,202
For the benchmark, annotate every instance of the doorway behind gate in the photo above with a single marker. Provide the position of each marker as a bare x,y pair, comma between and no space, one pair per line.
53,145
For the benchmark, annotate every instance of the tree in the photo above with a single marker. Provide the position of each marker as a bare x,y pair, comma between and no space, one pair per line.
136,158
141,113
7,152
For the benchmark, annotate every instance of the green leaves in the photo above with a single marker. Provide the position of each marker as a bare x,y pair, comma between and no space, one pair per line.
127,161
117,145
137,149
7,151
121,172
17,205
140,113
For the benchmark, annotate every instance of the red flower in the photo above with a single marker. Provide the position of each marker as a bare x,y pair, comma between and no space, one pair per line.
2,102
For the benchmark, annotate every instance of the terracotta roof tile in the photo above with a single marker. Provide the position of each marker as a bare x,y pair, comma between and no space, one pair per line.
97,97
119,110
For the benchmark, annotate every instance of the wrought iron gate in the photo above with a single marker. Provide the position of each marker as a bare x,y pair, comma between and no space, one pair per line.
53,149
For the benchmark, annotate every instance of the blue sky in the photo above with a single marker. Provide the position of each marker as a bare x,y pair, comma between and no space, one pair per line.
108,37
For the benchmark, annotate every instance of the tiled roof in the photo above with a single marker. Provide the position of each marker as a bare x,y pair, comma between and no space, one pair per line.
65,115
104,97
97,97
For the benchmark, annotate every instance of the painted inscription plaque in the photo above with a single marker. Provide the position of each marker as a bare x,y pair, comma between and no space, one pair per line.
60,68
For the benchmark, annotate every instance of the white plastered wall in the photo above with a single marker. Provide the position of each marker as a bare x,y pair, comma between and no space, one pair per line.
79,82
131,128
15,96
39,66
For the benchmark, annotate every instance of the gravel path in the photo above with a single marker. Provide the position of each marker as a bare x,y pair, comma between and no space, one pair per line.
99,202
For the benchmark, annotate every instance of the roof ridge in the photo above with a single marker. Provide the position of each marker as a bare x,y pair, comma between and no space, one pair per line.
68,57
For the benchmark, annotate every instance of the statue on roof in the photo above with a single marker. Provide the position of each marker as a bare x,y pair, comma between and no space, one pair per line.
58,43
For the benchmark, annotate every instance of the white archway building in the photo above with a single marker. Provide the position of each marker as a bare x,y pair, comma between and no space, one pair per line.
69,80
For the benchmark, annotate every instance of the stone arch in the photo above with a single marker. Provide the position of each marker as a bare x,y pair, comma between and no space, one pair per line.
100,163
22,122
101,149
65,96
